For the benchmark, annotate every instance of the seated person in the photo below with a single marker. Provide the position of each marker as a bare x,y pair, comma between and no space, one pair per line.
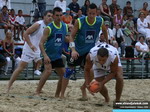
143,27
8,47
128,27
2,61
118,34
20,22
144,9
141,46
4,20
2,58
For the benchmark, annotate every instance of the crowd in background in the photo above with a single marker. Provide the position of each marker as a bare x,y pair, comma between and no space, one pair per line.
120,22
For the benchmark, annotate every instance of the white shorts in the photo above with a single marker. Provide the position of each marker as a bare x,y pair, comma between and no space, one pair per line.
101,73
30,56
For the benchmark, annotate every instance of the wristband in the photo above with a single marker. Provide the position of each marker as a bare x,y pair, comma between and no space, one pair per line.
71,44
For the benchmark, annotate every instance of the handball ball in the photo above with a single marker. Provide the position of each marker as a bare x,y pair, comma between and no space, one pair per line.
94,86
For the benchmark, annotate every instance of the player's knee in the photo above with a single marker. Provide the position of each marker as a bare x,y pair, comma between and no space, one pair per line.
119,78
47,71
68,73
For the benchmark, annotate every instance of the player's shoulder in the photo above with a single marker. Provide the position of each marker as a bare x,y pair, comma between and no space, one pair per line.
98,18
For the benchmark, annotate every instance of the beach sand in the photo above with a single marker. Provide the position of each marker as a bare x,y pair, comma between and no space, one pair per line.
19,100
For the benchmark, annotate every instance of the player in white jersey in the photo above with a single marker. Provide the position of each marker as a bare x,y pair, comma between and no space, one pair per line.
103,58
31,50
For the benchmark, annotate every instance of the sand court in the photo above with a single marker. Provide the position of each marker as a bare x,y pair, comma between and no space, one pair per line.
21,97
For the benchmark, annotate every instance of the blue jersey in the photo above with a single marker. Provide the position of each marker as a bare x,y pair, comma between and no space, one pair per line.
87,34
55,41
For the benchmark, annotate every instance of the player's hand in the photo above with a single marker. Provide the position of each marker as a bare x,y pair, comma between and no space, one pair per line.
88,88
33,48
75,55
47,60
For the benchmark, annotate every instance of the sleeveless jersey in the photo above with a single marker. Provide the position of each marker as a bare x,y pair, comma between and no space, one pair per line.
111,57
35,37
55,41
12,19
87,34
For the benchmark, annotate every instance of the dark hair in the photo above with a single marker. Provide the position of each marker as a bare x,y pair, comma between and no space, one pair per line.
93,6
141,14
47,11
141,37
103,52
145,3
4,7
19,11
86,1
57,9
12,10
128,2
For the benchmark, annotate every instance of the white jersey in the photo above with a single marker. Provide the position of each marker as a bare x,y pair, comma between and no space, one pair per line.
35,37
113,53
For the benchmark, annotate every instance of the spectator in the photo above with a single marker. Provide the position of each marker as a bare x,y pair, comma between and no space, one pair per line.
101,39
74,7
39,11
85,7
141,46
111,37
12,20
4,20
105,11
142,26
118,18
98,12
5,3
144,9
42,7
148,18
130,25
118,34
127,10
3,60
114,7
20,21
67,18
126,27
8,46
62,4
78,15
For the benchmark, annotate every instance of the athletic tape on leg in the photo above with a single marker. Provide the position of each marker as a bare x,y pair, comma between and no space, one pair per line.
68,73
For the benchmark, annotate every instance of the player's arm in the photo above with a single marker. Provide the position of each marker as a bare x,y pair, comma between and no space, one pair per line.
41,45
29,31
104,30
71,40
87,67
67,38
113,71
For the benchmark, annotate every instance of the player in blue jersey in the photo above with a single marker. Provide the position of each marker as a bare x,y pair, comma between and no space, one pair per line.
83,37
53,38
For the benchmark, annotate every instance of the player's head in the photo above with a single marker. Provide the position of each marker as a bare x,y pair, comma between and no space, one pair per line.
47,16
102,55
57,14
92,11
